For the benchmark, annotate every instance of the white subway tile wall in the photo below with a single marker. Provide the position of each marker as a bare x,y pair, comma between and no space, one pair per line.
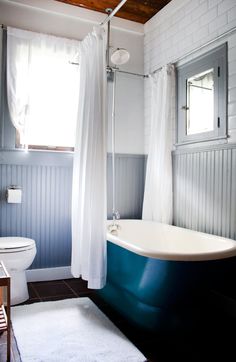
182,26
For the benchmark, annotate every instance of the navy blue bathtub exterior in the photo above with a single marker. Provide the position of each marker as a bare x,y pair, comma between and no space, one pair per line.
150,292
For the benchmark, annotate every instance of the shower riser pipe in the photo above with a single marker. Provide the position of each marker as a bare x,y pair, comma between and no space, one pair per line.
113,145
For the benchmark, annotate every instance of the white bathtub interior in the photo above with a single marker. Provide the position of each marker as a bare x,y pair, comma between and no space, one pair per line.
162,241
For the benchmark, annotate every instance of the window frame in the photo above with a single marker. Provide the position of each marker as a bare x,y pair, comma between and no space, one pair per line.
216,59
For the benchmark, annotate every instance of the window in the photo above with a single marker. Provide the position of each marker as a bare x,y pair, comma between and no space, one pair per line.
43,89
53,106
202,98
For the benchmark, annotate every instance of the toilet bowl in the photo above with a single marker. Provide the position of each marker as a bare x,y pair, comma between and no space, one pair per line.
17,255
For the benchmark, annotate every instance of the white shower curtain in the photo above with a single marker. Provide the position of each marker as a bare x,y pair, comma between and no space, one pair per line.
89,212
158,195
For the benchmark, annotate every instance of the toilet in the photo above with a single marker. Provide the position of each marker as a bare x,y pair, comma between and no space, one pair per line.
17,254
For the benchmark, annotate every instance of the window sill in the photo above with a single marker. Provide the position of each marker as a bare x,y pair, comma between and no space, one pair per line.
204,147
37,150
202,141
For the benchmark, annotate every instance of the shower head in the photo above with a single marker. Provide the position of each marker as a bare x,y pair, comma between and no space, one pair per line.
120,56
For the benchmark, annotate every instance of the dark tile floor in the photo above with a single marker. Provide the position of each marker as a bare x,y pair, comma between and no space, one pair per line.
210,337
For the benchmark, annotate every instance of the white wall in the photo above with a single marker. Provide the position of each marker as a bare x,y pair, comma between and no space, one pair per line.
129,115
182,26
69,21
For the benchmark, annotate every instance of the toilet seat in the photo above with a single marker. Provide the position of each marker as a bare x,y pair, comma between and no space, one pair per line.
11,244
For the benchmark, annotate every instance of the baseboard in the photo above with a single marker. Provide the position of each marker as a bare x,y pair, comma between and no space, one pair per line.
38,275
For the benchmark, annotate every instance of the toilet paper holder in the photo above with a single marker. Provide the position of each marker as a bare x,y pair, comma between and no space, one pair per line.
14,194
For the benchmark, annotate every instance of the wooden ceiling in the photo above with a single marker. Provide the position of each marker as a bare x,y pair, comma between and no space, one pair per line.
134,10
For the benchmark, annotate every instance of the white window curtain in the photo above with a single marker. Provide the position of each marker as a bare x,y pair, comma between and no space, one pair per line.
158,194
42,85
89,212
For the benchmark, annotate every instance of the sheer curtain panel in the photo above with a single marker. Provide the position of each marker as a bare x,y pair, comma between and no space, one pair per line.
158,194
89,212
42,85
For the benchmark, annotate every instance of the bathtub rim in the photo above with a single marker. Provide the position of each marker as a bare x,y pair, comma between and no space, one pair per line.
151,253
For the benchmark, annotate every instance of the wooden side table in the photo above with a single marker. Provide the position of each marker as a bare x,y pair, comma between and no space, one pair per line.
5,308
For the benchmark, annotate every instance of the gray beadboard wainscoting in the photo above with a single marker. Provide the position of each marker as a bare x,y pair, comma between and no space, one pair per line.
205,189
130,177
45,212
204,195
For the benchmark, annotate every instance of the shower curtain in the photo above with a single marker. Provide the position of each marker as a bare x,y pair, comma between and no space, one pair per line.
158,195
89,211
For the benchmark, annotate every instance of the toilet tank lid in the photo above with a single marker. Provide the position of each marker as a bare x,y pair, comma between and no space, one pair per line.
11,242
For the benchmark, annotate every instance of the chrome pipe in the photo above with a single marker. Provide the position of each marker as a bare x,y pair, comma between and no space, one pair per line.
108,18
113,147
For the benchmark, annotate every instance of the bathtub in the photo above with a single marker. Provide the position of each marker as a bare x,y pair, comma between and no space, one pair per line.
154,270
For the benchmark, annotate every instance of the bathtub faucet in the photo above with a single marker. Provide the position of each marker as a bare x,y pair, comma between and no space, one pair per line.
114,226
115,215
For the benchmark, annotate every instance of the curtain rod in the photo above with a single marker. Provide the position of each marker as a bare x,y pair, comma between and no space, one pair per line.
117,8
114,69
109,17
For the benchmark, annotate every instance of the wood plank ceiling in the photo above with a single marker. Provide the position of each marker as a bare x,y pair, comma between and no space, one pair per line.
134,10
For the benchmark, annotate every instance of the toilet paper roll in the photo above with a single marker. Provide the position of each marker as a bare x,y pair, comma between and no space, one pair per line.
14,196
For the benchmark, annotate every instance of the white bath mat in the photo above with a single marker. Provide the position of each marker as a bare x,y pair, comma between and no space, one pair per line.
71,330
